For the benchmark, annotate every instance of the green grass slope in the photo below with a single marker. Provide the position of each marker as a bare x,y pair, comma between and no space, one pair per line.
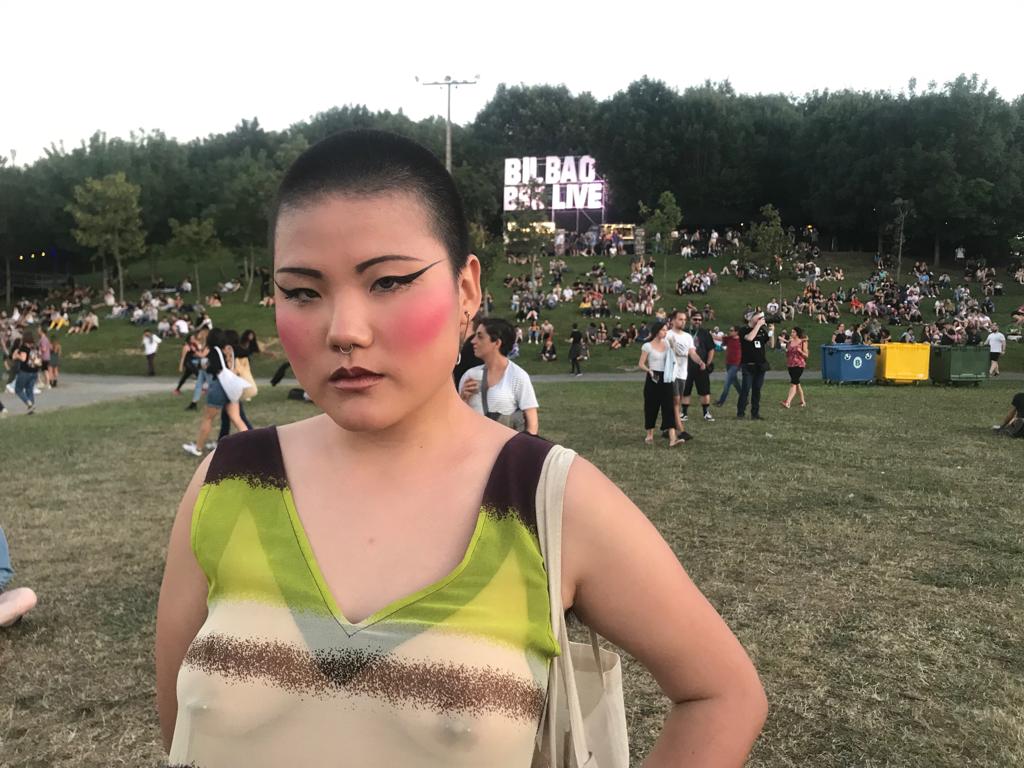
117,349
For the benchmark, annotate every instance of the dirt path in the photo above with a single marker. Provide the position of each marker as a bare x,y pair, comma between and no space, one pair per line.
82,389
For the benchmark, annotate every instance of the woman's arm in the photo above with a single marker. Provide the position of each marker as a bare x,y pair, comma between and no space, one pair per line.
624,581
181,610
532,420
642,365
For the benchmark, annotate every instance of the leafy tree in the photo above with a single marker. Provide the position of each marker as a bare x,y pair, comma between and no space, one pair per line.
834,159
767,238
194,241
526,232
904,209
108,219
663,221
11,198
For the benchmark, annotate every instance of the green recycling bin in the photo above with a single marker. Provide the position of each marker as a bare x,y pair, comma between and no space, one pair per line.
955,365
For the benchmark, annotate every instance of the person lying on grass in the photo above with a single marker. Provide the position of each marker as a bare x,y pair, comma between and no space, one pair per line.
14,603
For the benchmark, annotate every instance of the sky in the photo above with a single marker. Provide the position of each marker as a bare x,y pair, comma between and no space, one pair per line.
189,68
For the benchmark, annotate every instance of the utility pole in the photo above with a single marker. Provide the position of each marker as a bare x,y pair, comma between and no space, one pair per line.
448,83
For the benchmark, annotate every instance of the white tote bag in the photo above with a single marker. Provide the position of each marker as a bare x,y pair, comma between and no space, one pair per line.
232,384
584,722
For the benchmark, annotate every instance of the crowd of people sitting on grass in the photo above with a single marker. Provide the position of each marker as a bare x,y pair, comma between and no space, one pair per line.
886,309
169,311
595,293
30,334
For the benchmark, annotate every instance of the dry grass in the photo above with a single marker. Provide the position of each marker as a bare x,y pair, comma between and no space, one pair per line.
870,556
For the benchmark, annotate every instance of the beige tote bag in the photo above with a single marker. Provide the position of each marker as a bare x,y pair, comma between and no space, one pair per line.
584,721
242,369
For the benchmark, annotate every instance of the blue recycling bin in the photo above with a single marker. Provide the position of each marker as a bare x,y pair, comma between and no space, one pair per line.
848,363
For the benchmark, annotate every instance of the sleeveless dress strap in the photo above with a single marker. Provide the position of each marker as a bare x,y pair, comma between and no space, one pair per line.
253,456
513,483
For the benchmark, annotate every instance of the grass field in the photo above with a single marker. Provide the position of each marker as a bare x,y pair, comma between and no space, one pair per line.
868,551
116,347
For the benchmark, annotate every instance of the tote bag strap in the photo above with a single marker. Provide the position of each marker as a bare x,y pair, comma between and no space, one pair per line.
483,392
550,493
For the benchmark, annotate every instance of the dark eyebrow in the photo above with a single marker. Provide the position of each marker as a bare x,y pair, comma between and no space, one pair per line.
314,273
365,265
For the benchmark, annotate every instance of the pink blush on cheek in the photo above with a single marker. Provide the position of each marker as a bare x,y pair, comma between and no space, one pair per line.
418,325
295,337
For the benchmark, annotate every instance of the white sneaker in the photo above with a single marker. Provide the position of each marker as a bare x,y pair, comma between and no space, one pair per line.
191,448
708,416
37,391
211,445
10,389
685,416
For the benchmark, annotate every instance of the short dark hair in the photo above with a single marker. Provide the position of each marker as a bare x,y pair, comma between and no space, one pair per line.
363,163
500,330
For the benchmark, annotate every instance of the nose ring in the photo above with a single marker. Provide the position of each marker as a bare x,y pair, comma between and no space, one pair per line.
346,351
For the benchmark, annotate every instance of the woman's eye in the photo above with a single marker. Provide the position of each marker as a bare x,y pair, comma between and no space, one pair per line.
385,284
391,283
299,295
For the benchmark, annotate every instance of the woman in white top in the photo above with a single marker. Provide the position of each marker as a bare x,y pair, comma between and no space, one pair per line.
656,362
510,396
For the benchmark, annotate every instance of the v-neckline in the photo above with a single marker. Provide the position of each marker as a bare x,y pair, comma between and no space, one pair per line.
316,573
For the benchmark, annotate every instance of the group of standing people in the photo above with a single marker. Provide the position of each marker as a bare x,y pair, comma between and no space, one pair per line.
26,356
219,359
677,360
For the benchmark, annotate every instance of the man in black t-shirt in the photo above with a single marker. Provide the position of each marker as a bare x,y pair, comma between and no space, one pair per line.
753,364
701,377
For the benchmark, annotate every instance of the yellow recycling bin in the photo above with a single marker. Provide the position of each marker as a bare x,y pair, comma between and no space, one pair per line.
903,363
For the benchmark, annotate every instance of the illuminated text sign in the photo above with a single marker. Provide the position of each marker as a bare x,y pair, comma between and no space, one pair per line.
571,183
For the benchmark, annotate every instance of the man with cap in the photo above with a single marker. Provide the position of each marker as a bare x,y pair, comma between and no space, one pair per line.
753,364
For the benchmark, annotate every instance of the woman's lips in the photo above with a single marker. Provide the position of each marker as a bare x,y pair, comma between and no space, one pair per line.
354,379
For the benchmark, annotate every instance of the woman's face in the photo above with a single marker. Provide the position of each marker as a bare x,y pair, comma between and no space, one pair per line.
483,345
662,332
368,275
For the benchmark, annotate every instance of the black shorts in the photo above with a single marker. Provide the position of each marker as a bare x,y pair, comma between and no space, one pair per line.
994,356
795,372
702,379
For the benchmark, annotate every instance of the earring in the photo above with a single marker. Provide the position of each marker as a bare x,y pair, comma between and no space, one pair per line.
462,338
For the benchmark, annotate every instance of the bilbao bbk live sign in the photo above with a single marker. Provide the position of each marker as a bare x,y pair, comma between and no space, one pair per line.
570,183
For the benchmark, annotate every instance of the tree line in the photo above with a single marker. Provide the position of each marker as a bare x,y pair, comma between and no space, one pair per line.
952,154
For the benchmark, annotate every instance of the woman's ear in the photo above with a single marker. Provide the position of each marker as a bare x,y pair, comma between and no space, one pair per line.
469,286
